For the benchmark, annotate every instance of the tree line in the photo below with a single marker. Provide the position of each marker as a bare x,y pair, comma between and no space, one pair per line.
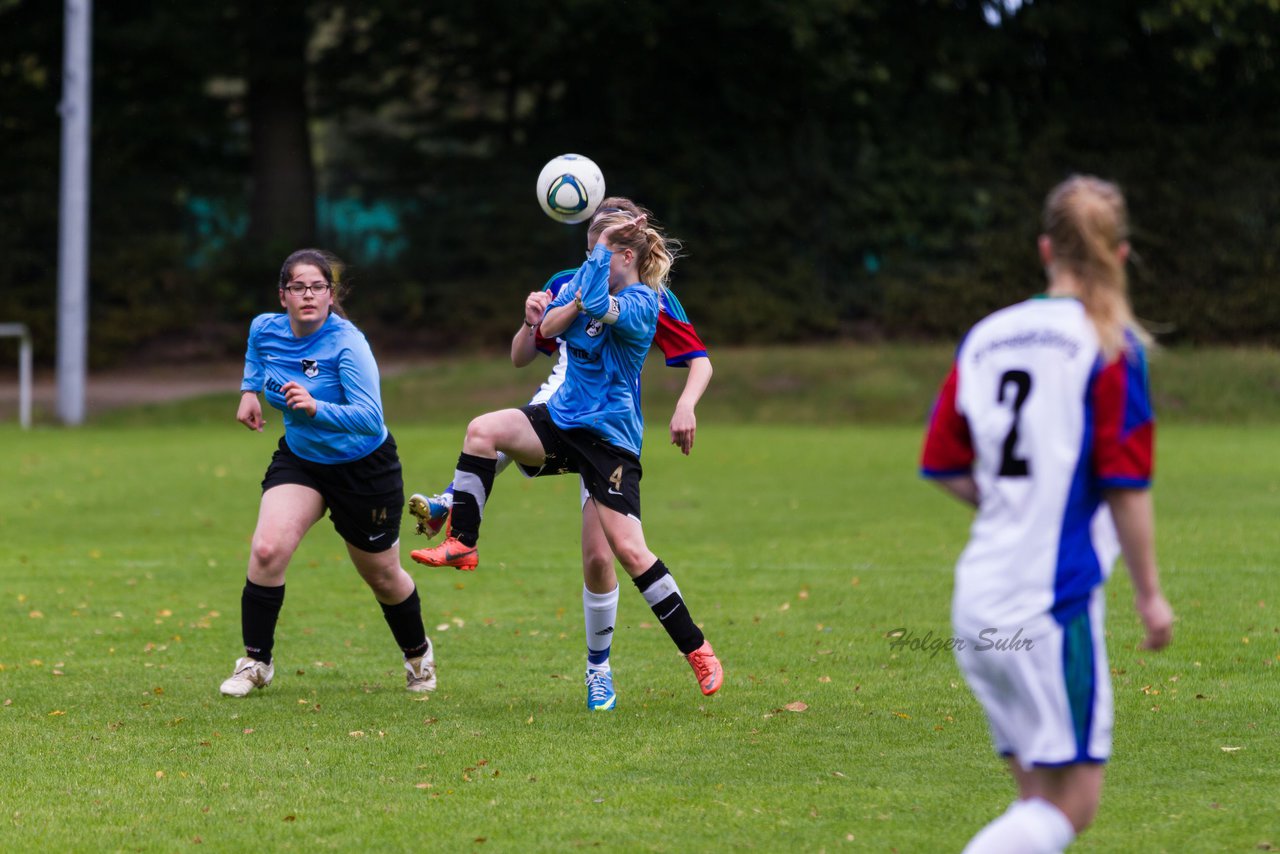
836,168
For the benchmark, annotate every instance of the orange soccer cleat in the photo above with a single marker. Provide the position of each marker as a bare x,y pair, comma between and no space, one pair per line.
452,552
707,668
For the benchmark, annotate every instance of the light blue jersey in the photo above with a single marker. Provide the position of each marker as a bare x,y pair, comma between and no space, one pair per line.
606,345
335,364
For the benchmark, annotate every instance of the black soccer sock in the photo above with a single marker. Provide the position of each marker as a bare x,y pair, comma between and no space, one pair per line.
405,620
259,610
472,483
660,591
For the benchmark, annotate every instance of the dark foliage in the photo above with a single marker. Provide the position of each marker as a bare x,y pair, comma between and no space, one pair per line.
836,168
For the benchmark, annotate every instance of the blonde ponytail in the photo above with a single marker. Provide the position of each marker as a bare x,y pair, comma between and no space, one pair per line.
1087,223
655,252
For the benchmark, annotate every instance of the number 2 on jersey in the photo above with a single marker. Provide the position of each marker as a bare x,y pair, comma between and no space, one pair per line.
1011,466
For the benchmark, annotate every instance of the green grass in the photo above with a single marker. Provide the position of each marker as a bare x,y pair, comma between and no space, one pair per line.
797,547
831,385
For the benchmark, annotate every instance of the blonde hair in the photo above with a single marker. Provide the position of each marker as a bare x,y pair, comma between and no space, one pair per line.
1087,223
655,252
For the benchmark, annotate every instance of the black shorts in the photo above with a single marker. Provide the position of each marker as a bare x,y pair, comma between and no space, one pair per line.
365,497
610,474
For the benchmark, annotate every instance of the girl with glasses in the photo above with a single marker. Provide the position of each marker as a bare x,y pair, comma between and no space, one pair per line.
336,454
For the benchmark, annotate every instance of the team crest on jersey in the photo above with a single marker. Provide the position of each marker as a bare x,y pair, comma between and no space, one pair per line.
311,368
594,327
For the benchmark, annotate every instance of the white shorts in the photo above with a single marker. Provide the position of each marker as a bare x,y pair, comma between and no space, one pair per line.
1046,688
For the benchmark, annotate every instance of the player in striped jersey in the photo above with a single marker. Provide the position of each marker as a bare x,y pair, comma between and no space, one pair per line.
1045,425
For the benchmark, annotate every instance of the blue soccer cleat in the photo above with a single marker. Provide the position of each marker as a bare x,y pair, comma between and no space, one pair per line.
600,696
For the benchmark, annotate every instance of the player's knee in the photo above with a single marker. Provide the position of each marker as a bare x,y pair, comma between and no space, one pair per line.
596,563
634,557
269,554
482,434
384,581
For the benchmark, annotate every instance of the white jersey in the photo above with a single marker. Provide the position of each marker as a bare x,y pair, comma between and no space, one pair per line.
555,379
1030,411
1043,427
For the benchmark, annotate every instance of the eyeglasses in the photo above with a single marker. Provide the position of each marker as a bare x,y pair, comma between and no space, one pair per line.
298,290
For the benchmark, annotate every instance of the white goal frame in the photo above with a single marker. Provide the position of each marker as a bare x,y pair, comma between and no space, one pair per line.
19,331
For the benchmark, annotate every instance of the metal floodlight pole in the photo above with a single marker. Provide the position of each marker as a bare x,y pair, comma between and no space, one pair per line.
73,212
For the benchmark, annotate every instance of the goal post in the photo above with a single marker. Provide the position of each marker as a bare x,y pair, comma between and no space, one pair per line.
19,331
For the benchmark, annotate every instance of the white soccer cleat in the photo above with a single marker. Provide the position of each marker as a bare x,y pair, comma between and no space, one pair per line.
421,675
431,511
249,674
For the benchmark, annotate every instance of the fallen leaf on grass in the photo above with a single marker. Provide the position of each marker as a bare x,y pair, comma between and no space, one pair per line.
423,785
57,713
290,818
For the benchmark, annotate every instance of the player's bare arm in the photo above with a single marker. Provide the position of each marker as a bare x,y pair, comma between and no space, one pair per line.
684,422
524,344
1134,517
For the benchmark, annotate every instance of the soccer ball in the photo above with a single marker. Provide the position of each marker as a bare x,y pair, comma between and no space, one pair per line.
570,188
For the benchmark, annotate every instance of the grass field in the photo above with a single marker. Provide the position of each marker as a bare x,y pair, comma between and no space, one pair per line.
799,547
